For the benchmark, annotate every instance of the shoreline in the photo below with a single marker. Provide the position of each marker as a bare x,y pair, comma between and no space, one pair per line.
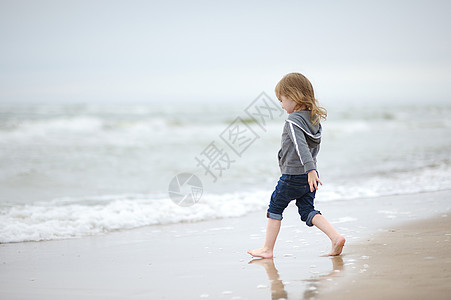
208,259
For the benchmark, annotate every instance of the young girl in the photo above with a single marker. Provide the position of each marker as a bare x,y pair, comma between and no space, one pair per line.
301,138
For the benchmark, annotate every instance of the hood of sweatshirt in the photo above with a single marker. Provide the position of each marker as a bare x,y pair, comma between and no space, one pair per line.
302,120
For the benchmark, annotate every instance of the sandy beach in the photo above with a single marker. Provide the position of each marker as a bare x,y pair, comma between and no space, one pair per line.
383,257
141,143
407,262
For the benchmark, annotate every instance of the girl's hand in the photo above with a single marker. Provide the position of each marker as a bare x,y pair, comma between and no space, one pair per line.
313,180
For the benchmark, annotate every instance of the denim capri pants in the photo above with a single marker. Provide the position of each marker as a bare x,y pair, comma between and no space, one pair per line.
293,187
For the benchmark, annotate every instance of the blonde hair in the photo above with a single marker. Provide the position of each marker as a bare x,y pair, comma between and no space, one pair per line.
299,89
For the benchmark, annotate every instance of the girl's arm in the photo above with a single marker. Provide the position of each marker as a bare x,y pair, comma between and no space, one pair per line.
297,136
300,143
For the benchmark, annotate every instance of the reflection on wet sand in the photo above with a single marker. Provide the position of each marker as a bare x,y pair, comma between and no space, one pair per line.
312,288
277,287
311,291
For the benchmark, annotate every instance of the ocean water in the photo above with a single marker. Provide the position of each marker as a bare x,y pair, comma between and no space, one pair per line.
73,170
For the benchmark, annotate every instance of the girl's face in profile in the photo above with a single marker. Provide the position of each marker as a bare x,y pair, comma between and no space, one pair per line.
287,104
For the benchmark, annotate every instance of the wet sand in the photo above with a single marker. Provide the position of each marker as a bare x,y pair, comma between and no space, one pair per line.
411,261
208,260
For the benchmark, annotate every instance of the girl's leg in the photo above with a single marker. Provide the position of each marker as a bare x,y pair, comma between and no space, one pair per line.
272,230
338,241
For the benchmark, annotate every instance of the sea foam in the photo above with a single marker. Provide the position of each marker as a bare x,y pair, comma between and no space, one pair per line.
70,217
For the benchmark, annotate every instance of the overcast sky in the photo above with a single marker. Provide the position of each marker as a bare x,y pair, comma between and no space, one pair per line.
84,51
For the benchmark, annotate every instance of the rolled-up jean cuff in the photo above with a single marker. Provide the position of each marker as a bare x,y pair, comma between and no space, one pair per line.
274,216
310,217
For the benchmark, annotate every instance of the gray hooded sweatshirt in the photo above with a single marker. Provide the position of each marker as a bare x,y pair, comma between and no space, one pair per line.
300,144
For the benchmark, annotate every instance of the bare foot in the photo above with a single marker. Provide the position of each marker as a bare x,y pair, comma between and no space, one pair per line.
262,252
337,246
